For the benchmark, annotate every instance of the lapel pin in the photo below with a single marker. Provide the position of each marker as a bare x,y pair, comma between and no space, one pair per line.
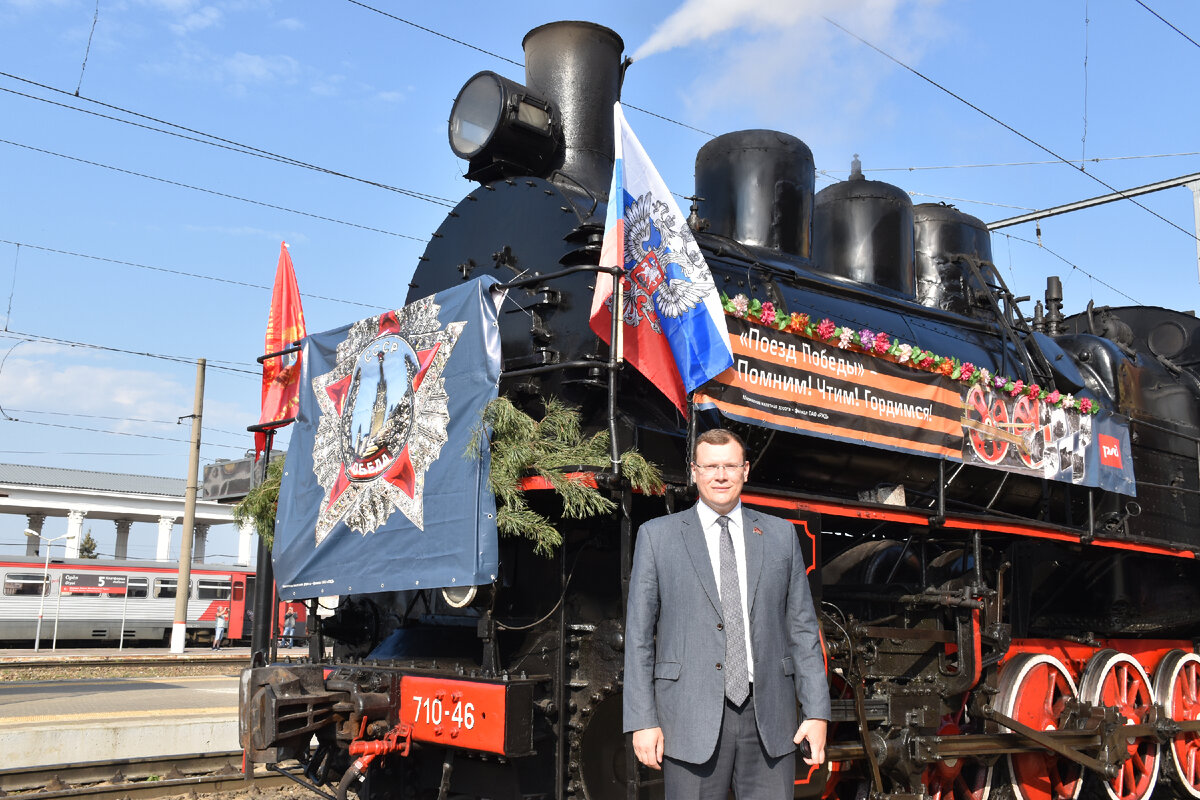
758,531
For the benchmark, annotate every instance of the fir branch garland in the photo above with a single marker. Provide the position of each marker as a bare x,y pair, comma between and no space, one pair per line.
521,445
261,504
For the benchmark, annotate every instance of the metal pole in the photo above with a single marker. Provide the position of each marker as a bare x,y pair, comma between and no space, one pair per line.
1195,187
124,610
1182,180
37,637
182,593
264,585
615,357
57,609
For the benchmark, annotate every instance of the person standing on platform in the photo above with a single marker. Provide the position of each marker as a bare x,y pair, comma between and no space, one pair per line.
222,624
289,627
721,641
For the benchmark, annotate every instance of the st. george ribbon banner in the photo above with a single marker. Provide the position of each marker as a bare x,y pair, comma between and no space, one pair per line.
790,382
378,493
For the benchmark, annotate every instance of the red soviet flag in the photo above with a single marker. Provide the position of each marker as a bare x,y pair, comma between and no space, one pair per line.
285,326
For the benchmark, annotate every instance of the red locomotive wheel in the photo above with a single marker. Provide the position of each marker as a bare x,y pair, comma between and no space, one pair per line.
1177,689
1034,689
988,449
1118,681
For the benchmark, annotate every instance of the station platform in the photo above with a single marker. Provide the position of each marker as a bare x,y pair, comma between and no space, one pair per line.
85,718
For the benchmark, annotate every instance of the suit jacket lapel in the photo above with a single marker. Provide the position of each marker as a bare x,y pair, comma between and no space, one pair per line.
693,542
754,553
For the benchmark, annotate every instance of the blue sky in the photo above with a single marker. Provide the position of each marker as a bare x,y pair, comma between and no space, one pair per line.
117,235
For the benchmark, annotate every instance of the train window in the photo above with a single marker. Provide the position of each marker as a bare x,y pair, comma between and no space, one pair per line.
17,583
165,587
137,587
212,590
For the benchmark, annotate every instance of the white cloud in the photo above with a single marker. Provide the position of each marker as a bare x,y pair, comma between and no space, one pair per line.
390,96
290,24
51,385
205,17
246,68
328,85
178,7
787,67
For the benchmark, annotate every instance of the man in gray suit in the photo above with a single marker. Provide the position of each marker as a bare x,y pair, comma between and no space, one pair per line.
710,706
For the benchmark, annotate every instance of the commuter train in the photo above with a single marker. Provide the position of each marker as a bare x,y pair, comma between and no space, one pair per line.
103,601
999,509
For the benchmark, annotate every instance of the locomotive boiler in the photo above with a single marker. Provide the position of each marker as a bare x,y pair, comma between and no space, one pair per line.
999,508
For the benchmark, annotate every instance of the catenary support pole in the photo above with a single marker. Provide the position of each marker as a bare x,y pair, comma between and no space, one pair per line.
179,628
264,584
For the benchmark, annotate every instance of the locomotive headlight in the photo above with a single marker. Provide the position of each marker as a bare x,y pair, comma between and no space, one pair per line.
501,128
459,596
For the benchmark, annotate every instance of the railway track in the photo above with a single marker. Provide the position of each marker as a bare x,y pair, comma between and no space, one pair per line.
137,778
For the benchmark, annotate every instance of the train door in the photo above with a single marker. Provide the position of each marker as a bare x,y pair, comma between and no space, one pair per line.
246,623
238,607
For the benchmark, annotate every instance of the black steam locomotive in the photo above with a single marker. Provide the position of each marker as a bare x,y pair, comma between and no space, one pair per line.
1014,630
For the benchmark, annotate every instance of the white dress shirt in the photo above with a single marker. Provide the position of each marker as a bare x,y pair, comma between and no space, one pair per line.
712,540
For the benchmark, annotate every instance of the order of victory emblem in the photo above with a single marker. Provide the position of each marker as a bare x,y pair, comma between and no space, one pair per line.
384,417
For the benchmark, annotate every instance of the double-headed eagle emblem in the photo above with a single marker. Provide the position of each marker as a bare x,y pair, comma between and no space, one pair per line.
654,239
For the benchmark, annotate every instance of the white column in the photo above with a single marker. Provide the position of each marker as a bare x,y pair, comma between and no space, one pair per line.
74,532
165,524
246,531
36,521
122,549
199,539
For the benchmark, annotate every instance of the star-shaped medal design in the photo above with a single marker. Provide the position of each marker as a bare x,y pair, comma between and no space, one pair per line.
384,418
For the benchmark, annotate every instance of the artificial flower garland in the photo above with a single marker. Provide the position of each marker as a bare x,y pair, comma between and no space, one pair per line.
881,344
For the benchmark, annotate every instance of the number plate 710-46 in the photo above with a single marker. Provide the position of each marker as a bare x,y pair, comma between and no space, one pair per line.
468,714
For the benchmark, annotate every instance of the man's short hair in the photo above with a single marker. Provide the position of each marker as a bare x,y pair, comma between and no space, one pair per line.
718,436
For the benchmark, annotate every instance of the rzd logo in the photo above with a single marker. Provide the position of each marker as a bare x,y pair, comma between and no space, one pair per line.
1110,451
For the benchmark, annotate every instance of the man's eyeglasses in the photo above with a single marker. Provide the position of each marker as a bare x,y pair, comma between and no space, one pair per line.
713,469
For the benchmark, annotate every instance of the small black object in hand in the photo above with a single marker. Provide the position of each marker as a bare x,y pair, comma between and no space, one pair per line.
805,749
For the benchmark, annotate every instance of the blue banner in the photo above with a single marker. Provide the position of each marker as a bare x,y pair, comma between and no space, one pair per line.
378,493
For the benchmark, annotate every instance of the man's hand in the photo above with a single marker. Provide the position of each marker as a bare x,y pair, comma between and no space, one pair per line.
815,731
648,746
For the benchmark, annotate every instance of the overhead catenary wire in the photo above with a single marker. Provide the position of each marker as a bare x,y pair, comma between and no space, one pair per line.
1083,138
210,139
226,195
33,337
496,55
1004,125
120,433
1069,263
1093,160
1167,23
196,275
172,422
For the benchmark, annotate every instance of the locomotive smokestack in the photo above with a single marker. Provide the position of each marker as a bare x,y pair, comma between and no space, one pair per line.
577,65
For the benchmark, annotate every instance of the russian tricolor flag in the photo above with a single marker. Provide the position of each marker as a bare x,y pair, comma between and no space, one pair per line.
673,328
